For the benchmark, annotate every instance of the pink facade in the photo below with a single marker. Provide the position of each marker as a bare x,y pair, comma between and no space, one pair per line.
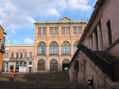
18,58
99,48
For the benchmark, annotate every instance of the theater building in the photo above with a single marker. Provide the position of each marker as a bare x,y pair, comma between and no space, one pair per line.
2,44
18,58
55,43
96,62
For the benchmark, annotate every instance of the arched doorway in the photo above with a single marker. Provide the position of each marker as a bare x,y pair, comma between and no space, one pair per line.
65,64
41,65
53,65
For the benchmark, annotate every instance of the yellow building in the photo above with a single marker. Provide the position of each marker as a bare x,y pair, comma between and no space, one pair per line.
55,43
2,39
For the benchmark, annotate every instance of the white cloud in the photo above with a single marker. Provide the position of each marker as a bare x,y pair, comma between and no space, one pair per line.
15,14
79,4
28,41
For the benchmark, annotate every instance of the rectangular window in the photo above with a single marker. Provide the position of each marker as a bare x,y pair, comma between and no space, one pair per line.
79,30
17,63
63,30
12,55
25,54
51,30
75,30
21,55
68,30
109,32
7,54
30,62
17,55
44,30
56,30
39,30
30,54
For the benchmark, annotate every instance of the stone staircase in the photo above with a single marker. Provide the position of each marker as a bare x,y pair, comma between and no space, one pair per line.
115,64
46,80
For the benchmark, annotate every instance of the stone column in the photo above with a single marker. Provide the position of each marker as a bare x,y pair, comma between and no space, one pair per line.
47,65
59,42
34,65
72,47
27,65
94,41
8,66
59,48
59,64
99,38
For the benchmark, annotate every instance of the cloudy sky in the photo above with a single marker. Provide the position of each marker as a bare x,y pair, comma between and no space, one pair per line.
17,17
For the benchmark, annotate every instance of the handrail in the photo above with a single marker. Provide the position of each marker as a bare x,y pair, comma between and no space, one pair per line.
106,66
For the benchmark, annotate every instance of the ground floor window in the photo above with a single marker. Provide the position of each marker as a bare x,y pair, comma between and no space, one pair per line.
41,65
53,65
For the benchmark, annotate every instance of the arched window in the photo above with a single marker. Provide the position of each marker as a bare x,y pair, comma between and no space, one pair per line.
66,48
41,48
75,46
53,65
53,48
41,65
65,61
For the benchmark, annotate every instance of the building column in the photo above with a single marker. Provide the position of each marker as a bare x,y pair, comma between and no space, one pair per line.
8,66
47,65
59,48
14,66
27,65
99,38
94,41
59,64
34,64
72,48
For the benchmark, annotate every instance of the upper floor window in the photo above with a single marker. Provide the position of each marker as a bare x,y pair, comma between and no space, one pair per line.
30,54
39,30
7,54
63,30
79,30
109,32
75,30
53,48
25,54
66,48
56,30
17,55
12,54
51,30
44,30
41,48
21,55
68,30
